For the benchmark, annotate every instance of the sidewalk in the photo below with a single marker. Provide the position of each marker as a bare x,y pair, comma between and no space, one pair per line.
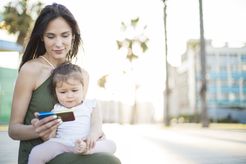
8,148
185,144
155,144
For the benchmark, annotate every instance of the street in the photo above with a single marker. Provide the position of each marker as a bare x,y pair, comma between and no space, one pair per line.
153,144
148,144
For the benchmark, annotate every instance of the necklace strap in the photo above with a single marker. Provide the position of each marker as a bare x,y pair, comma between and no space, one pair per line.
48,62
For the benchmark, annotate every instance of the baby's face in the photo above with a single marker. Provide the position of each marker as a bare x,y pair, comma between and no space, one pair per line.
70,93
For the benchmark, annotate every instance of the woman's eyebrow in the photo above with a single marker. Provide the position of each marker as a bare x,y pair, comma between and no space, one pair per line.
67,32
51,33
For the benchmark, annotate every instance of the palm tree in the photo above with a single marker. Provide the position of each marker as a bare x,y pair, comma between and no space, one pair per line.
204,115
128,43
167,90
18,17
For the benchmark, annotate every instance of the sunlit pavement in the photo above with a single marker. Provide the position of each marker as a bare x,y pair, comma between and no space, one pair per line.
8,149
151,144
148,144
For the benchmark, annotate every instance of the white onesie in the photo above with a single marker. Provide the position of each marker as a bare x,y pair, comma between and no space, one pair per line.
68,132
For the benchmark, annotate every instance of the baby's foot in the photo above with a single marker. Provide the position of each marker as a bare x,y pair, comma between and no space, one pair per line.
80,146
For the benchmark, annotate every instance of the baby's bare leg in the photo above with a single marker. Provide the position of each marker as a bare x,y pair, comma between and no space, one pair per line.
46,151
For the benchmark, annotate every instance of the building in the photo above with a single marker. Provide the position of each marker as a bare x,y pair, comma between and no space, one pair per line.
9,61
226,82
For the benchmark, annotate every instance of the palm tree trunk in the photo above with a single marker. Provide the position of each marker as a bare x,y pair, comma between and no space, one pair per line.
166,92
204,115
21,38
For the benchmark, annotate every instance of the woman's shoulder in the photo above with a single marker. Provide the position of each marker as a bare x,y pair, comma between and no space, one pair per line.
35,71
26,80
31,67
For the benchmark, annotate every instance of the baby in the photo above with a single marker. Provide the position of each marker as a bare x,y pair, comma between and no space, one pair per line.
71,136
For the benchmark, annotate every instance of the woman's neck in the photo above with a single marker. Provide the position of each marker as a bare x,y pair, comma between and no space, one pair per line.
47,61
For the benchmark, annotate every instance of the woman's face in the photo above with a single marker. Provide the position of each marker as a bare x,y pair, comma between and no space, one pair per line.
58,38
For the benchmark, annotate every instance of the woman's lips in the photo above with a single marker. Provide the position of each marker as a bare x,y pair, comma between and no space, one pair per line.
58,51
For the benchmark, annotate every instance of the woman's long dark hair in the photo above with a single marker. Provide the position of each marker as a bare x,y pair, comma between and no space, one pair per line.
35,46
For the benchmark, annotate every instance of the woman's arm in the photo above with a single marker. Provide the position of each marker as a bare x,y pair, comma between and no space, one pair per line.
103,145
95,129
24,87
96,118
85,81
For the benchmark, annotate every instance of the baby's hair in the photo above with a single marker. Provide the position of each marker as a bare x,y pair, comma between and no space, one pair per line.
64,72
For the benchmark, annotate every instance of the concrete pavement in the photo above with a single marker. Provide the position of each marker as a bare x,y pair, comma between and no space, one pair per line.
153,144
8,149
147,144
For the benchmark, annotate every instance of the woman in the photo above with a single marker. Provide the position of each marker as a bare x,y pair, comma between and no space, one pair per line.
54,40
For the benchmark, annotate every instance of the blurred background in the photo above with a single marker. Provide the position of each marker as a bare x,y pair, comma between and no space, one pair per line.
169,75
151,61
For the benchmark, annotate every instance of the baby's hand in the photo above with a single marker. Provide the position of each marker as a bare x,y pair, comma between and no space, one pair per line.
80,147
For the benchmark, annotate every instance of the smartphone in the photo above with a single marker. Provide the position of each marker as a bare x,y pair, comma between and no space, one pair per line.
65,115
42,115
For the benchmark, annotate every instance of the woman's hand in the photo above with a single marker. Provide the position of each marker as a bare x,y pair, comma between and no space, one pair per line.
46,127
91,141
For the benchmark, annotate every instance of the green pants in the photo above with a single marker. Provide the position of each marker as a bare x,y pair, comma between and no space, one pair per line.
97,158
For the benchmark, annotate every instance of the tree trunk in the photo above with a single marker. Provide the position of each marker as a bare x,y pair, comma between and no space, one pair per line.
21,38
204,115
134,113
166,92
